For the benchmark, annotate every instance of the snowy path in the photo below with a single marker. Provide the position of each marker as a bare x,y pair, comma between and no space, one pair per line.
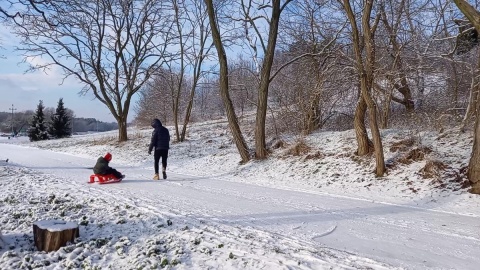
399,235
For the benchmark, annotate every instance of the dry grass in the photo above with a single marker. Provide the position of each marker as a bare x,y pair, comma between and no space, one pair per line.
137,135
432,169
316,155
402,145
113,139
106,140
416,154
299,148
362,160
276,143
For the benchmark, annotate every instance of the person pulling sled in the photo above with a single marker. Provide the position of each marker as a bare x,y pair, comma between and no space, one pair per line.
160,143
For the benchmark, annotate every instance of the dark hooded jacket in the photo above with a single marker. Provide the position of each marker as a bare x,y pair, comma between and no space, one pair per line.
101,166
160,137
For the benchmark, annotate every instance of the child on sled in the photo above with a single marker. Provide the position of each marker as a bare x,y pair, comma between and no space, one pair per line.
102,168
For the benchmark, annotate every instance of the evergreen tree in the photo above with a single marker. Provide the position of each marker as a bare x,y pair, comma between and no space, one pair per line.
60,122
38,129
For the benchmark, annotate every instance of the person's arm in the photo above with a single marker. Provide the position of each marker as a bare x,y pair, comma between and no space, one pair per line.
107,165
153,142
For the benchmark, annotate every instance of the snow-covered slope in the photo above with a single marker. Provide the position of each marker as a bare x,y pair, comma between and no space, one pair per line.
312,205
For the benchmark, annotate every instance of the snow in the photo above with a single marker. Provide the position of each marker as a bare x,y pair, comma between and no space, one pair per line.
312,204
55,225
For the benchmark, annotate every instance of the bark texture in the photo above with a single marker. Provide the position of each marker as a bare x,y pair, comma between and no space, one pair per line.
47,241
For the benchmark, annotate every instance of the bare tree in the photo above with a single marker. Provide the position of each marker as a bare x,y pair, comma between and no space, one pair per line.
473,97
270,14
243,81
199,51
473,173
18,9
191,25
155,99
112,47
398,77
311,66
365,68
224,84
208,101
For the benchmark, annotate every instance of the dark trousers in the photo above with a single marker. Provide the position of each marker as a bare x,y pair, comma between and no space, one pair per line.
116,173
160,153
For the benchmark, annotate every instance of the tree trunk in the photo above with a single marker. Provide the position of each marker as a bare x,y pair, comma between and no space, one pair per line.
175,113
386,110
312,115
364,144
260,147
359,119
470,12
365,69
224,85
367,84
377,140
179,83
188,113
121,114
174,94
473,99
473,173
122,129
196,78
51,235
404,89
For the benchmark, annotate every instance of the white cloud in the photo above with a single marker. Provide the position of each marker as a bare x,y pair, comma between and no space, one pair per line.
37,81
24,90
7,39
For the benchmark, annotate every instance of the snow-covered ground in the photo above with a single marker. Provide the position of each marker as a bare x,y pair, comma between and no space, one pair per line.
312,205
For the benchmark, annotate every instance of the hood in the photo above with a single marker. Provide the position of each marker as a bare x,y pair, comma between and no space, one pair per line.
156,123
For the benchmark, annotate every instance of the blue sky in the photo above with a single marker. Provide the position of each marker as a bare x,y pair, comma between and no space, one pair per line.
24,90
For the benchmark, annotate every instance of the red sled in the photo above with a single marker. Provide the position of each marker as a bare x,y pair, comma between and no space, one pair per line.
104,179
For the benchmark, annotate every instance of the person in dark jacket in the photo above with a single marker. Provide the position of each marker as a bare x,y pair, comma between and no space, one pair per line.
102,168
160,143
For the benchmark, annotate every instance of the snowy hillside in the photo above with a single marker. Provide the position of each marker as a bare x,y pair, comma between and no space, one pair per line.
129,225
424,168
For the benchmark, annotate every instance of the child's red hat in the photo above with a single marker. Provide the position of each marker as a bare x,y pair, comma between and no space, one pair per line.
108,156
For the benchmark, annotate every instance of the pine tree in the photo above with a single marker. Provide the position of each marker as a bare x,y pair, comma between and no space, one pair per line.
60,123
38,129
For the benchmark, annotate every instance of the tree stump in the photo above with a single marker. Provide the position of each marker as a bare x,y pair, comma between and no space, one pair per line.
51,235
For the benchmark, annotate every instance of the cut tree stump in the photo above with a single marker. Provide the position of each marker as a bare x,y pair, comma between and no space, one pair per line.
51,235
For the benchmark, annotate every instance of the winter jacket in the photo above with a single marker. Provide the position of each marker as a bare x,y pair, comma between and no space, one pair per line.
160,137
101,167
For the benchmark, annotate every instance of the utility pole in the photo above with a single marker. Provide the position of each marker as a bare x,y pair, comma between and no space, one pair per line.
11,121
